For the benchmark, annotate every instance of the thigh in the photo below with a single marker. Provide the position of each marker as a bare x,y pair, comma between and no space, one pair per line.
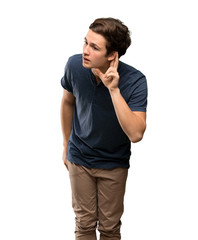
84,195
111,190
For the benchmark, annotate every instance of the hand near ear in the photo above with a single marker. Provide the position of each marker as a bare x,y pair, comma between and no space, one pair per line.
111,77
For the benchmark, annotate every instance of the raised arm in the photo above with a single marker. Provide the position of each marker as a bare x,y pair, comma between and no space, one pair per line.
133,123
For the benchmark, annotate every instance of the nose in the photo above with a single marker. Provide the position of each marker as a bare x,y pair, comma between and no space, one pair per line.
86,49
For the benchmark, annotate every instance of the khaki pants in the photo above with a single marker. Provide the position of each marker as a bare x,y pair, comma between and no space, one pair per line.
97,199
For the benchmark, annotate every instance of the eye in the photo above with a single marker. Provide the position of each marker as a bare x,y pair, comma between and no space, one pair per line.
95,47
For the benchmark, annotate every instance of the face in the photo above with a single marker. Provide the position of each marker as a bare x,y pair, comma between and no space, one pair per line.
94,52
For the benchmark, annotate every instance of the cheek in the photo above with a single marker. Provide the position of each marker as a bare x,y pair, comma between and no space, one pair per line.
102,61
98,62
99,58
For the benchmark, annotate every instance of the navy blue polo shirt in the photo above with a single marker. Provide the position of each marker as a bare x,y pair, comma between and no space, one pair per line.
97,140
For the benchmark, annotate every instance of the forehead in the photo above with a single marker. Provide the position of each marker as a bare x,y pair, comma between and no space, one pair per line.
96,38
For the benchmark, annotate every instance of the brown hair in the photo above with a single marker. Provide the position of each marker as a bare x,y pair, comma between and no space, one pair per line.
115,32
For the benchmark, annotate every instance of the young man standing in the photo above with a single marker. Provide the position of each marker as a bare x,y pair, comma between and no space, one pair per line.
103,110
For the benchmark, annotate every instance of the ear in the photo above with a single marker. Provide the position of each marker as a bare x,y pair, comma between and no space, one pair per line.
112,56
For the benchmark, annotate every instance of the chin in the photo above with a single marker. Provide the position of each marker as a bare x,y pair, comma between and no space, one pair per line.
86,65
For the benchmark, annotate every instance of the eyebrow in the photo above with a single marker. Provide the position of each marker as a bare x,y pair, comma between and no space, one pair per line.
93,44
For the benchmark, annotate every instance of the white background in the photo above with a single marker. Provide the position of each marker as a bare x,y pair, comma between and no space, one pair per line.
37,37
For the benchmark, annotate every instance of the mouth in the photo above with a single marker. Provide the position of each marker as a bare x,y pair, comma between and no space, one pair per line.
86,59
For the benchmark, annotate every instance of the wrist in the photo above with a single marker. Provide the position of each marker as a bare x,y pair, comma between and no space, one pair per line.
114,91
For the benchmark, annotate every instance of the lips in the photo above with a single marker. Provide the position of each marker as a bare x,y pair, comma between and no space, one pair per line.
86,59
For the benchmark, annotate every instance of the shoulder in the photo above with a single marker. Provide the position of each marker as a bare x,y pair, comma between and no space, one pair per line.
74,61
131,79
129,72
75,58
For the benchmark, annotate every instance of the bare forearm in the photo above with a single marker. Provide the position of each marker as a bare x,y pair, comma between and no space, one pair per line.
66,121
132,124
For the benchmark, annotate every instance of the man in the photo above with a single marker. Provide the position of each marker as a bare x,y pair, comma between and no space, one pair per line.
103,110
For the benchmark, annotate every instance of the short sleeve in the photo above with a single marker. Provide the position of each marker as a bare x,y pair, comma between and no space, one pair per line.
66,80
138,98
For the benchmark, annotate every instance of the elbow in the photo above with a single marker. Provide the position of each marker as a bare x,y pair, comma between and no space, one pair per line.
136,137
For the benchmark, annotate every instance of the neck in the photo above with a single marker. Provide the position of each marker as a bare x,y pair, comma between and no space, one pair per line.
102,69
